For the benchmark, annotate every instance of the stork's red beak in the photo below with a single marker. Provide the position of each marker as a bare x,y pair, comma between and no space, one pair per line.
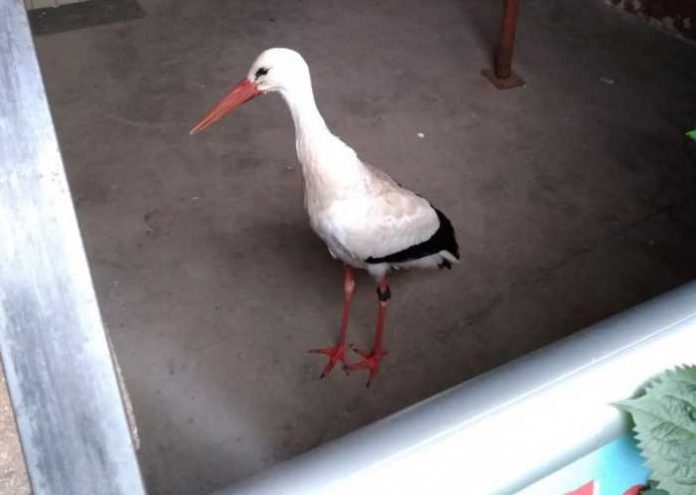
244,91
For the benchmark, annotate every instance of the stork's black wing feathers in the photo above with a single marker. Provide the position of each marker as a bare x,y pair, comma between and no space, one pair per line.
442,240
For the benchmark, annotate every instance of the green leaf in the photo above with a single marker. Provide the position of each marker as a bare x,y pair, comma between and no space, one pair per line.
692,134
665,426
652,489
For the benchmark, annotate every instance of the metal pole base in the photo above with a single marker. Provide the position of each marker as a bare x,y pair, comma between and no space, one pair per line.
514,81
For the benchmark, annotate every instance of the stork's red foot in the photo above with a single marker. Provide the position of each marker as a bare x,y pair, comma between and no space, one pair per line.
370,361
336,353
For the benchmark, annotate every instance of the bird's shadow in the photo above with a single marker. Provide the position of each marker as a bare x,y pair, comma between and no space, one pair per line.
281,250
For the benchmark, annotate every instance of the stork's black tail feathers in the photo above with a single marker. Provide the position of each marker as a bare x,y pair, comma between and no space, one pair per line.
443,239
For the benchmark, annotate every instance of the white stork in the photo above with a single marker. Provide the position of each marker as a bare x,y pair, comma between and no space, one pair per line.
367,220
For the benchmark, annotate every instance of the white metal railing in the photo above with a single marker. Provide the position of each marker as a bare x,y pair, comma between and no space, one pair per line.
503,430
59,372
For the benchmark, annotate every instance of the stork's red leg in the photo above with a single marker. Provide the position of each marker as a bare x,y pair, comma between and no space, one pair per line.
371,359
338,352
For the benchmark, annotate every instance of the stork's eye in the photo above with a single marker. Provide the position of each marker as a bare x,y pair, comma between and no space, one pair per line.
261,72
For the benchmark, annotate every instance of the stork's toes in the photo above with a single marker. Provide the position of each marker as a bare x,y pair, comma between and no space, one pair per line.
335,353
370,361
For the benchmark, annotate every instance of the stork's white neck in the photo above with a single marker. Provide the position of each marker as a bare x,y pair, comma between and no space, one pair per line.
330,167
310,127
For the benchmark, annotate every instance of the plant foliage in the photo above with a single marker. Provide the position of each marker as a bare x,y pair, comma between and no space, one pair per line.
652,489
665,427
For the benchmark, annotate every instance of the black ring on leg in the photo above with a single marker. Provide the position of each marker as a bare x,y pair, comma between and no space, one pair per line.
384,296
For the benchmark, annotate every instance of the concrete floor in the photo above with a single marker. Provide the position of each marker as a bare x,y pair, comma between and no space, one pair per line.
573,199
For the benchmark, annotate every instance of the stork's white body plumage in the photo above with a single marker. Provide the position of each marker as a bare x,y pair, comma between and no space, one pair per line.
366,219
358,211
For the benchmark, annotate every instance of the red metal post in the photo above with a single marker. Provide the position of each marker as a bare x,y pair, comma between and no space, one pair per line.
502,76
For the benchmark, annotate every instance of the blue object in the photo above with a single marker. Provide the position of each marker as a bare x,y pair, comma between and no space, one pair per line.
610,470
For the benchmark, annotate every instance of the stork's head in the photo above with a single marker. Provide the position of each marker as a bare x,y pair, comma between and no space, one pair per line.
279,69
276,69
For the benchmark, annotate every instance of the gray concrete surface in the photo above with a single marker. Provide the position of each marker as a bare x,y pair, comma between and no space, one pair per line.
13,472
573,199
